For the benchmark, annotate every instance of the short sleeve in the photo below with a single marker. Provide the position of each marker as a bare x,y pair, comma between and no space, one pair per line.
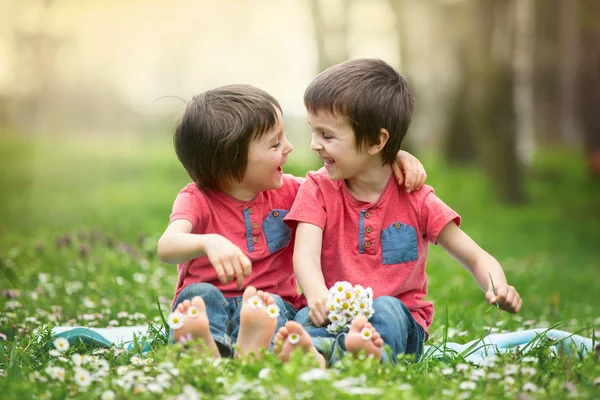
435,215
187,206
309,205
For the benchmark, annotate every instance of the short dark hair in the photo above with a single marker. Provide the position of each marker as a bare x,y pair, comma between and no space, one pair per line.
212,138
371,95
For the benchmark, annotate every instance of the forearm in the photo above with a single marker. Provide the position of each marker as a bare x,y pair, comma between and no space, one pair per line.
483,267
175,248
310,277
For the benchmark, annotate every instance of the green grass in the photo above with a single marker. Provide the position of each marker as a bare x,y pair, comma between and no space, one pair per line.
80,220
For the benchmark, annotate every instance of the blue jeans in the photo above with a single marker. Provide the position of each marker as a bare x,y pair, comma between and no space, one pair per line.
392,319
224,314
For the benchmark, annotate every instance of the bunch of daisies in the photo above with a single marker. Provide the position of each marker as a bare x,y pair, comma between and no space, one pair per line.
346,302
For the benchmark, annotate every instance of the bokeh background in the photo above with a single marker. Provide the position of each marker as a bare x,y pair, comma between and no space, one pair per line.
507,125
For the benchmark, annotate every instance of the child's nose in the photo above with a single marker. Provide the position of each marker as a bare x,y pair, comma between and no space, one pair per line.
314,144
288,146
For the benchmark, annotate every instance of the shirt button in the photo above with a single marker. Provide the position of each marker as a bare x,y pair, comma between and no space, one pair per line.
368,229
275,213
397,225
250,210
367,214
367,244
255,225
255,239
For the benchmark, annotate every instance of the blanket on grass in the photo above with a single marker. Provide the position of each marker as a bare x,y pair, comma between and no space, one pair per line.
475,351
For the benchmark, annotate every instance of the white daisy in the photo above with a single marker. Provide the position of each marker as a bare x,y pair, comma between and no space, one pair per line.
467,385
54,353
192,312
529,387
61,344
82,377
273,311
135,360
255,302
108,395
175,320
366,334
293,338
264,373
341,287
155,388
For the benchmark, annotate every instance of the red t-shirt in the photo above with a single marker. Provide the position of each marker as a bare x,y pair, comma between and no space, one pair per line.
382,245
255,226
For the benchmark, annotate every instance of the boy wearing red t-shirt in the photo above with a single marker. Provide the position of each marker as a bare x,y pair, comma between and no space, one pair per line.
355,225
226,231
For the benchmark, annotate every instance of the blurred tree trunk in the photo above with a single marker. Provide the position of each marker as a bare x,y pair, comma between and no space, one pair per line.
546,72
569,45
460,139
589,82
523,65
330,34
491,97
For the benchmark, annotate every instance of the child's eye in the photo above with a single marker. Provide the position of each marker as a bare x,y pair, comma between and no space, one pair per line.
325,136
276,145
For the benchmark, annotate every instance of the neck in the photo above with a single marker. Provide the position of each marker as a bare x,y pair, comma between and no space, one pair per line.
237,191
368,185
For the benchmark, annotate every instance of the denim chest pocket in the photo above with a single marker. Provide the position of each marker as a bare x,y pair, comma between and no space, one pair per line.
399,244
277,233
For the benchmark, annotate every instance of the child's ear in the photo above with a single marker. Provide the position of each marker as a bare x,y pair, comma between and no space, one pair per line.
384,135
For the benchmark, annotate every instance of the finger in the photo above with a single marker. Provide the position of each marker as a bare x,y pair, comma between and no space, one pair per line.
313,318
518,307
239,274
420,179
489,296
501,293
410,178
218,266
510,300
246,265
398,173
229,273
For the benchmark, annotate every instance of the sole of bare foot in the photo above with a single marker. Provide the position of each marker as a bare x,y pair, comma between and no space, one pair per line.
257,322
195,324
293,336
362,337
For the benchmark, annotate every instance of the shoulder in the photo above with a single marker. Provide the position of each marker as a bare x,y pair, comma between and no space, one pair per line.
192,195
321,179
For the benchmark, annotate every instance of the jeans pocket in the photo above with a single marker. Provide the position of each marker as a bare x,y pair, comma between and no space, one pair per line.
277,233
399,244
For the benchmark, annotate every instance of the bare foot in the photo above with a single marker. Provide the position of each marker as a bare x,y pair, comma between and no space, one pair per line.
363,337
258,320
293,336
195,324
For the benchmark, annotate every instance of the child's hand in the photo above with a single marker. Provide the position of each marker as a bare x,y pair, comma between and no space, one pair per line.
228,260
409,171
318,311
506,297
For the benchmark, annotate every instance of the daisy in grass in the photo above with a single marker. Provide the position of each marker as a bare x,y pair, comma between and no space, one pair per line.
61,344
347,302
82,377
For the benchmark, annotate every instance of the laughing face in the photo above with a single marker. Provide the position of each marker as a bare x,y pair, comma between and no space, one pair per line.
266,156
334,141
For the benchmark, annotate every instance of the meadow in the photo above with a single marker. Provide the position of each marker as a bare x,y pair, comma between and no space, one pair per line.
78,230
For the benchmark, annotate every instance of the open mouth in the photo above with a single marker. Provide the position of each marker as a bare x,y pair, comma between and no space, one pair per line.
328,161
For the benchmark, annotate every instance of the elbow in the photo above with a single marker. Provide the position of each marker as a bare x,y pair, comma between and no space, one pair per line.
163,250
